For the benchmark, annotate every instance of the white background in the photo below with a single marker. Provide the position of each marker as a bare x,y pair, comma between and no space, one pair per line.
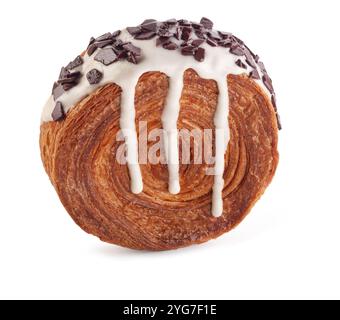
288,247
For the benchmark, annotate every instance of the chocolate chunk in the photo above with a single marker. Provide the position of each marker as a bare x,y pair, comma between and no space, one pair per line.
225,43
211,42
134,30
199,54
254,74
186,31
145,35
116,34
58,90
273,99
183,22
164,33
104,43
241,64
58,112
133,58
208,24
197,42
105,36
278,121
170,46
106,56
239,41
162,41
68,86
63,73
75,63
200,34
94,76
92,40
213,35
171,21
251,52
250,59
236,50
197,26
91,49
257,58
149,25
131,48
225,35
262,67
187,51
268,83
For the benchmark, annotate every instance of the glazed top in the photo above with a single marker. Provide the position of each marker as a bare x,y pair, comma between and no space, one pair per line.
170,47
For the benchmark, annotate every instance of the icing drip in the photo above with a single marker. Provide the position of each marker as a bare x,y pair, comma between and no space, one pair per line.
218,63
221,144
128,128
169,121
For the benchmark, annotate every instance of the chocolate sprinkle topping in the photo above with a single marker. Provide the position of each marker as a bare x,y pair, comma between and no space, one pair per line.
94,76
106,56
190,36
58,112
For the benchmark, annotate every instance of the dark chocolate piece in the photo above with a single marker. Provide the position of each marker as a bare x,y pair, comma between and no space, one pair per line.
104,43
58,113
131,48
187,51
145,35
225,35
170,46
162,41
106,56
241,64
236,50
199,54
278,121
116,34
171,21
134,30
149,25
78,61
273,99
197,42
254,74
186,31
268,83
211,42
208,24
58,90
94,76
105,36
91,49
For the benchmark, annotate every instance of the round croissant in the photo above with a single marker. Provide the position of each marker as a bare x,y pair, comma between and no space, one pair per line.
80,149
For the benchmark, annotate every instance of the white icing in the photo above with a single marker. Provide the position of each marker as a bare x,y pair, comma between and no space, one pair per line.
218,63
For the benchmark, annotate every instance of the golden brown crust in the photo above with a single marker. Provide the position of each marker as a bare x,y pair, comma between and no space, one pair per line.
79,155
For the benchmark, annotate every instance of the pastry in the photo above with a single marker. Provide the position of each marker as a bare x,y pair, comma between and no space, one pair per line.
161,135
